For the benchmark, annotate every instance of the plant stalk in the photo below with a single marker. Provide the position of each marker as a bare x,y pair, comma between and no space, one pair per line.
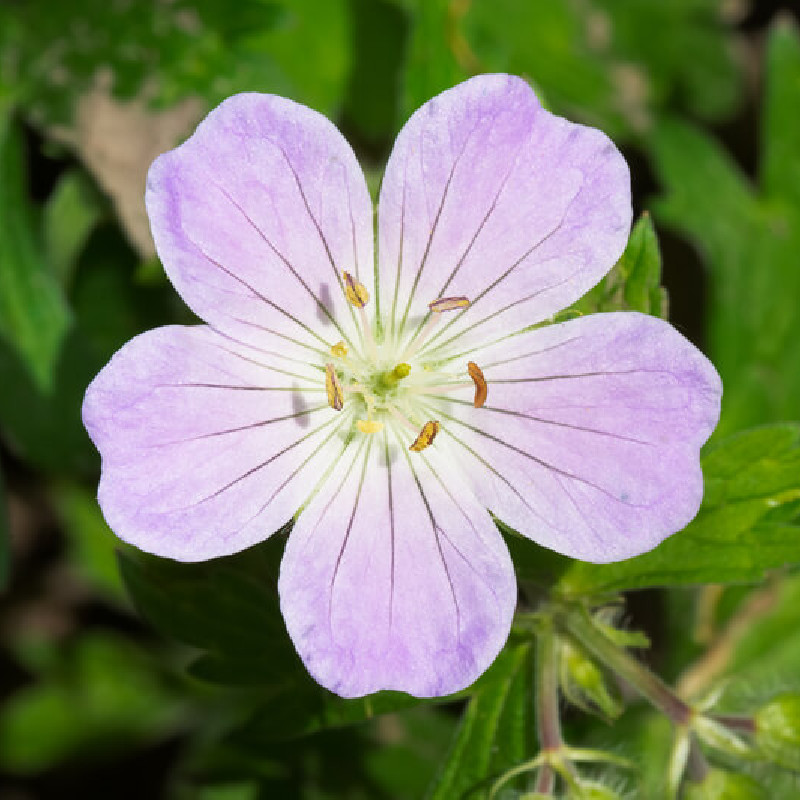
577,623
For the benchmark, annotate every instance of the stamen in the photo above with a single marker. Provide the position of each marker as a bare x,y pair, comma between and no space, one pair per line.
448,304
334,388
426,436
357,294
403,420
481,389
437,308
339,350
369,425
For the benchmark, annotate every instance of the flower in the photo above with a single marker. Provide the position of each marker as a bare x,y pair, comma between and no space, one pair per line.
391,404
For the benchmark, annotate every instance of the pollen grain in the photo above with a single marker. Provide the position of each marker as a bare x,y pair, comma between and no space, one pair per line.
425,437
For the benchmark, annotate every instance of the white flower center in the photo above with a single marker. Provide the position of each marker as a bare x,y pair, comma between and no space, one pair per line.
392,384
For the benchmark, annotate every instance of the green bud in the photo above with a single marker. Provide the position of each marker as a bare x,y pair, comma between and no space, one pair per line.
778,730
719,785
584,684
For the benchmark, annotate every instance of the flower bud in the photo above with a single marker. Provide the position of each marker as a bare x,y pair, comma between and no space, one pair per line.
720,785
778,730
584,684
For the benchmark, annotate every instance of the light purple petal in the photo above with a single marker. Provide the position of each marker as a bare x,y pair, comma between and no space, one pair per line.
208,446
395,577
256,216
589,441
488,195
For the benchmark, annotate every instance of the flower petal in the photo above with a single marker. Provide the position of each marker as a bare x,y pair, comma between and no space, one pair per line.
488,195
395,577
589,441
208,446
256,216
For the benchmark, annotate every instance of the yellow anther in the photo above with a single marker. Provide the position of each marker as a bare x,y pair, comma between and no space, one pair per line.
448,304
481,389
369,425
426,436
339,350
356,292
401,371
333,388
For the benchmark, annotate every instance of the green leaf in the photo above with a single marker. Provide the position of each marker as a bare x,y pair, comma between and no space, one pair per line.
496,728
301,707
70,214
167,52
749,238
34,316
780,167
45,430
749,522
431,64
615,64
227,606
91,543
407,760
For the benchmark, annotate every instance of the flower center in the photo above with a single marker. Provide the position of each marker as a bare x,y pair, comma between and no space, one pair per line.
388,384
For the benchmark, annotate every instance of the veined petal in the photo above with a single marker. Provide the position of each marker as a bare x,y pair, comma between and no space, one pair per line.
488,195
257,215
208,446
395,577
589,442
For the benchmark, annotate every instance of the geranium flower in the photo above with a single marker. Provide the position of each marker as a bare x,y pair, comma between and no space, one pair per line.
390,405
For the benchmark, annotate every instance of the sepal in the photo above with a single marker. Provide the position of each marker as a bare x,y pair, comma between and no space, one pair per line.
777,730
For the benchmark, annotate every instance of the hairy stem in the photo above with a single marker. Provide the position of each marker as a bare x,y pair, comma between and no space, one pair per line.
577,623
548,723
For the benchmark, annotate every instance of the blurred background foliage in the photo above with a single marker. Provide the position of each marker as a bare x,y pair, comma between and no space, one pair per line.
207,699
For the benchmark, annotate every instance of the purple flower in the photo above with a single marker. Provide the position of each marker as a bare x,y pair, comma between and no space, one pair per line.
387,403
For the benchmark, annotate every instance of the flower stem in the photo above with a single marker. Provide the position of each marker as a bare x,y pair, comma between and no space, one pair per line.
577,623
548,723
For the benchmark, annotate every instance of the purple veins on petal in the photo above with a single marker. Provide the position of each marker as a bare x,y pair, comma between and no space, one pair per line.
325,391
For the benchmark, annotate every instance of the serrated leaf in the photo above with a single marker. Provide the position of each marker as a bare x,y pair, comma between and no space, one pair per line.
34,316
740,532
495,731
